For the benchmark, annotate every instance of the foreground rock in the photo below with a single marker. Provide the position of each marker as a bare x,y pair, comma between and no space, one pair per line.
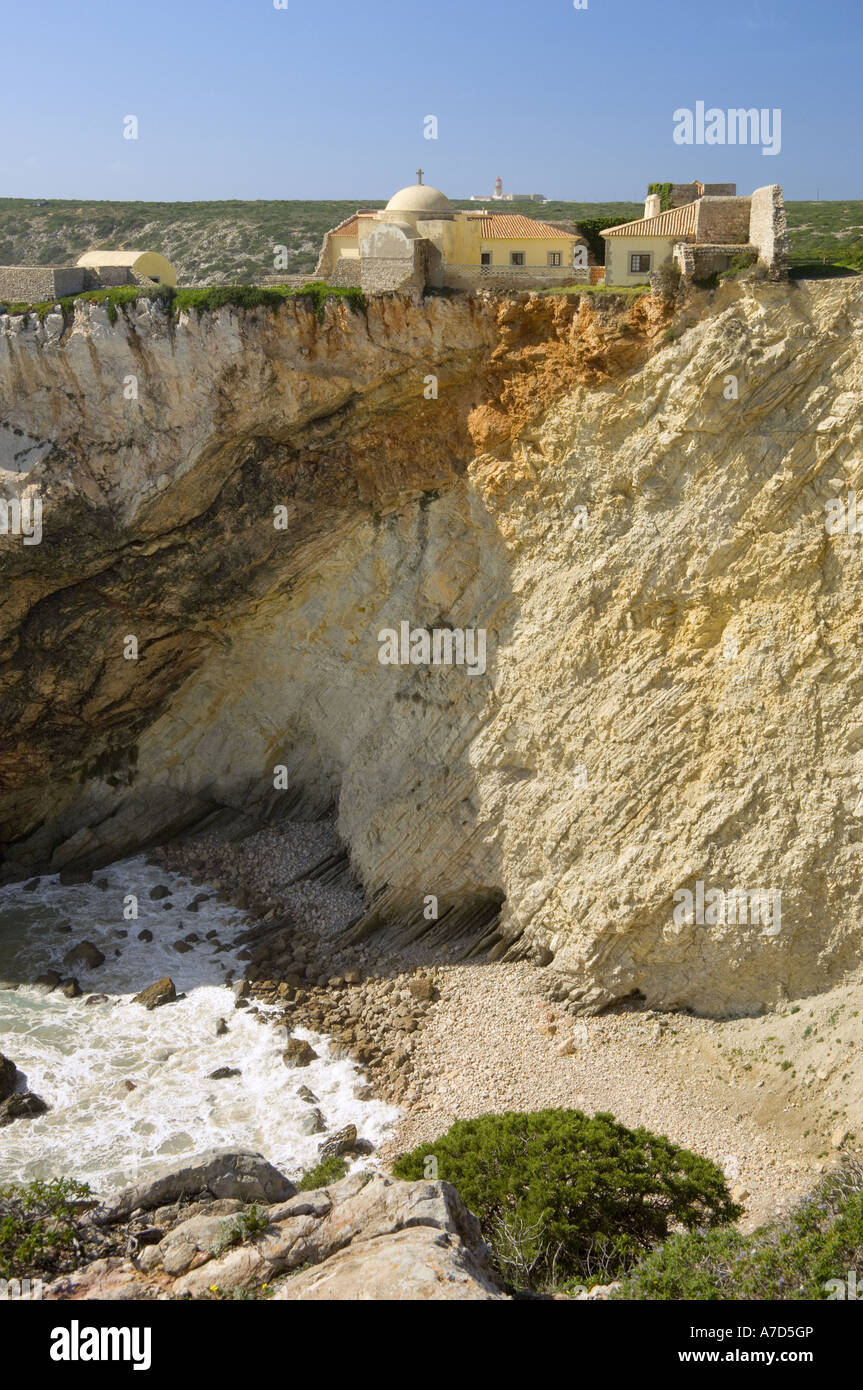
242,1175
367,1236
419,1263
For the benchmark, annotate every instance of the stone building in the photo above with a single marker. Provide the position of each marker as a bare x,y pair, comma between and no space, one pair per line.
129,267
701,236
94,270
420,241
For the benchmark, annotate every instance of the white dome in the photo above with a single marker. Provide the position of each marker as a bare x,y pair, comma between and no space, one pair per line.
420,198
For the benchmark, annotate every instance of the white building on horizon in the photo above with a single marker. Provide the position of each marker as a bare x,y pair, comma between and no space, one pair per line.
498,196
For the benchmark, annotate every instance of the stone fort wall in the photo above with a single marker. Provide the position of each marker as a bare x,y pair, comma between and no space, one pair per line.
723,221
768,230
30,284
682,193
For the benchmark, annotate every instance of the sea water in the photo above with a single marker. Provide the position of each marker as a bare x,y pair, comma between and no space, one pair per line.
79,1057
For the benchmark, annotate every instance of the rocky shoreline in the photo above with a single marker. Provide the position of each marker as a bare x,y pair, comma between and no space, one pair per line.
230,1224
447,1039
371,1002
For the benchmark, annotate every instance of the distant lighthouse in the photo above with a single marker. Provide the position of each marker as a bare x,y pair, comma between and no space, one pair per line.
498,188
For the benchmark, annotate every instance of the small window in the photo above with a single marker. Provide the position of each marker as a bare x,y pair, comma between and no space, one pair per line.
485,258
639,264
516,258
555,258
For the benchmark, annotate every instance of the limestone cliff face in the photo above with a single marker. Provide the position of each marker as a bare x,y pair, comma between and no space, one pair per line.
674,641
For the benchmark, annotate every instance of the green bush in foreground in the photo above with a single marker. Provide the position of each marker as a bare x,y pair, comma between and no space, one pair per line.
37,1225
560,1195
795,1258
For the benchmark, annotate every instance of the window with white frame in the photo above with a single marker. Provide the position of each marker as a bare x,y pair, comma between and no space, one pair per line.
555,258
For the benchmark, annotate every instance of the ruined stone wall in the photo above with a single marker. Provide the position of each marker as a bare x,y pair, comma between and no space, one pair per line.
382,275
346,272
327,258
722,221
28,284
682,193
768,229
393,261
700,262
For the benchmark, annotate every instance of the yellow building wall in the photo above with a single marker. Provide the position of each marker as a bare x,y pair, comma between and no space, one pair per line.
457,239
460,241
155,267
340,244
461,247
535,250
618,250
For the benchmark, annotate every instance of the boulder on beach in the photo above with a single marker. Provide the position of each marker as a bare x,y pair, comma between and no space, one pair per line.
244,1175
154,996
298,1053
85,953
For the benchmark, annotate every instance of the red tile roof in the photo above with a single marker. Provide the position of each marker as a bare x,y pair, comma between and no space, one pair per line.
514,224
347,228
675,222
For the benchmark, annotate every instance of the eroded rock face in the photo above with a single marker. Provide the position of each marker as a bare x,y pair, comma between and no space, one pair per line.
414,1240
417,1264
670,693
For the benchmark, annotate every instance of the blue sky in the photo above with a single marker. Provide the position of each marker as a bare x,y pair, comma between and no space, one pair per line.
327,98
